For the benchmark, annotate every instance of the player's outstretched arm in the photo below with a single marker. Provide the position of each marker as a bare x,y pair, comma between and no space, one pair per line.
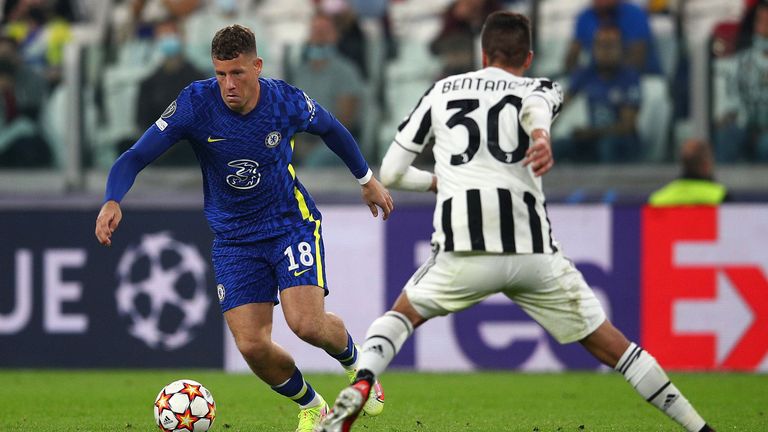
539,155
376,196
107,221
397,172
121,178
536,119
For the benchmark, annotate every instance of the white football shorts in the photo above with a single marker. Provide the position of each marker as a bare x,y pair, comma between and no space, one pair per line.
548,288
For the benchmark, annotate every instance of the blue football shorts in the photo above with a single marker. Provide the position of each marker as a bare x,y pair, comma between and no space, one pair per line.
255,271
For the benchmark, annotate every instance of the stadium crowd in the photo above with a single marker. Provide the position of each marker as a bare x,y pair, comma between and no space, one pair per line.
627,67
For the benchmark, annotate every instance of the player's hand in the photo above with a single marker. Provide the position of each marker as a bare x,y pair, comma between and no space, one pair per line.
433,186
107,222
539,155
376,195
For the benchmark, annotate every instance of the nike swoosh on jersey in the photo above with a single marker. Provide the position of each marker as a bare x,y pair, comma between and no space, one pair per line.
211,139
299,273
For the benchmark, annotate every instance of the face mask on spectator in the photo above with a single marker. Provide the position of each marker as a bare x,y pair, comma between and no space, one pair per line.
170,45
319,52
227,6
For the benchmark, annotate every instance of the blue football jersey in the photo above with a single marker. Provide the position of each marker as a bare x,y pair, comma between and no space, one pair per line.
250,187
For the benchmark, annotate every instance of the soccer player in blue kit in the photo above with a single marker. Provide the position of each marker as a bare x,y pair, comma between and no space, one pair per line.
267,228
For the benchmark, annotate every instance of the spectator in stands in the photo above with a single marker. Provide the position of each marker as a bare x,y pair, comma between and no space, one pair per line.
136,18
203,24
352,42
41,34
612,91
747,24
456,42
696,185
22,95
640,52
162,86
149,11
333,81
752,82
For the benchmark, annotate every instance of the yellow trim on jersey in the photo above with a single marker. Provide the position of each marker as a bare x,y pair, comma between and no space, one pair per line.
306,215
302,204
320,279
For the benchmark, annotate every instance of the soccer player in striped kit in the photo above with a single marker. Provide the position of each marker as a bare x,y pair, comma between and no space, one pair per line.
491,231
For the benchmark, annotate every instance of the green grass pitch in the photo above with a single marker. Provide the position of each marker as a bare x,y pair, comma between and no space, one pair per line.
488,401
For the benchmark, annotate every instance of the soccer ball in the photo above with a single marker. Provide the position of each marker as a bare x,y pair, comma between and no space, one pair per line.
184,405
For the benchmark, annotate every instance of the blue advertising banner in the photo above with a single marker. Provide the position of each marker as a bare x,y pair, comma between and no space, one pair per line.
147,301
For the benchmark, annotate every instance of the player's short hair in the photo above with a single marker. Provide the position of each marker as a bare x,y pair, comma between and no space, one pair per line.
506,38
231,41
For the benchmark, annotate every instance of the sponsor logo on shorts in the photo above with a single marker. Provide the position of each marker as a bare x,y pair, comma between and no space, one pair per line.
221,292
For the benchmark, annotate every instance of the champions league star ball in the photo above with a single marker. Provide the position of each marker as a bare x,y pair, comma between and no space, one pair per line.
184,405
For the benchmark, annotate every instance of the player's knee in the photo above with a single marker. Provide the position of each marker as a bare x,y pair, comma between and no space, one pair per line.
255,351
308,330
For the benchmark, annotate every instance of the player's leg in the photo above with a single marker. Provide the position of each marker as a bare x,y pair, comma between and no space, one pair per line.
383,341
437,288
386,336
553,292
304,310
251,326
299,263
247,290
643,372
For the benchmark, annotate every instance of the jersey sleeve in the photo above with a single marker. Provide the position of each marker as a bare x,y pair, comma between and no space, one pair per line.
302,109
172,126
416,129
176,121
550,91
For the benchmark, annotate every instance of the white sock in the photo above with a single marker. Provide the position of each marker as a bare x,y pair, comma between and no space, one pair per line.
316,401
353,366
384,339
648,378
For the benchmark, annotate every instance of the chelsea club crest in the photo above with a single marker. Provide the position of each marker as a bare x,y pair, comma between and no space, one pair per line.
273,139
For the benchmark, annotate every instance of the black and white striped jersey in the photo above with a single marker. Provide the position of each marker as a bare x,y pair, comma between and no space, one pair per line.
487,200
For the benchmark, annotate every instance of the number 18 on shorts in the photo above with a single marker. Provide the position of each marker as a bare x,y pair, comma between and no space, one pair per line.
254,272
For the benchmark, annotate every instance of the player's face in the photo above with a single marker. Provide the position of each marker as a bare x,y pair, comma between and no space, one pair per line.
239,81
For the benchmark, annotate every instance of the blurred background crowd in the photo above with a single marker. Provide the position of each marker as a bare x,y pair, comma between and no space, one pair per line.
82,79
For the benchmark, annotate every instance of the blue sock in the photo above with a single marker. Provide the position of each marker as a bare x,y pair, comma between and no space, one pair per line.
296,389
348,357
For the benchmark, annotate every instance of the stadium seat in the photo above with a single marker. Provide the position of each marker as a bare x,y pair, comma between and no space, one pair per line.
724,93
407,78
417,20
573,115
667,45
654,118
53,124
556,22
121,88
